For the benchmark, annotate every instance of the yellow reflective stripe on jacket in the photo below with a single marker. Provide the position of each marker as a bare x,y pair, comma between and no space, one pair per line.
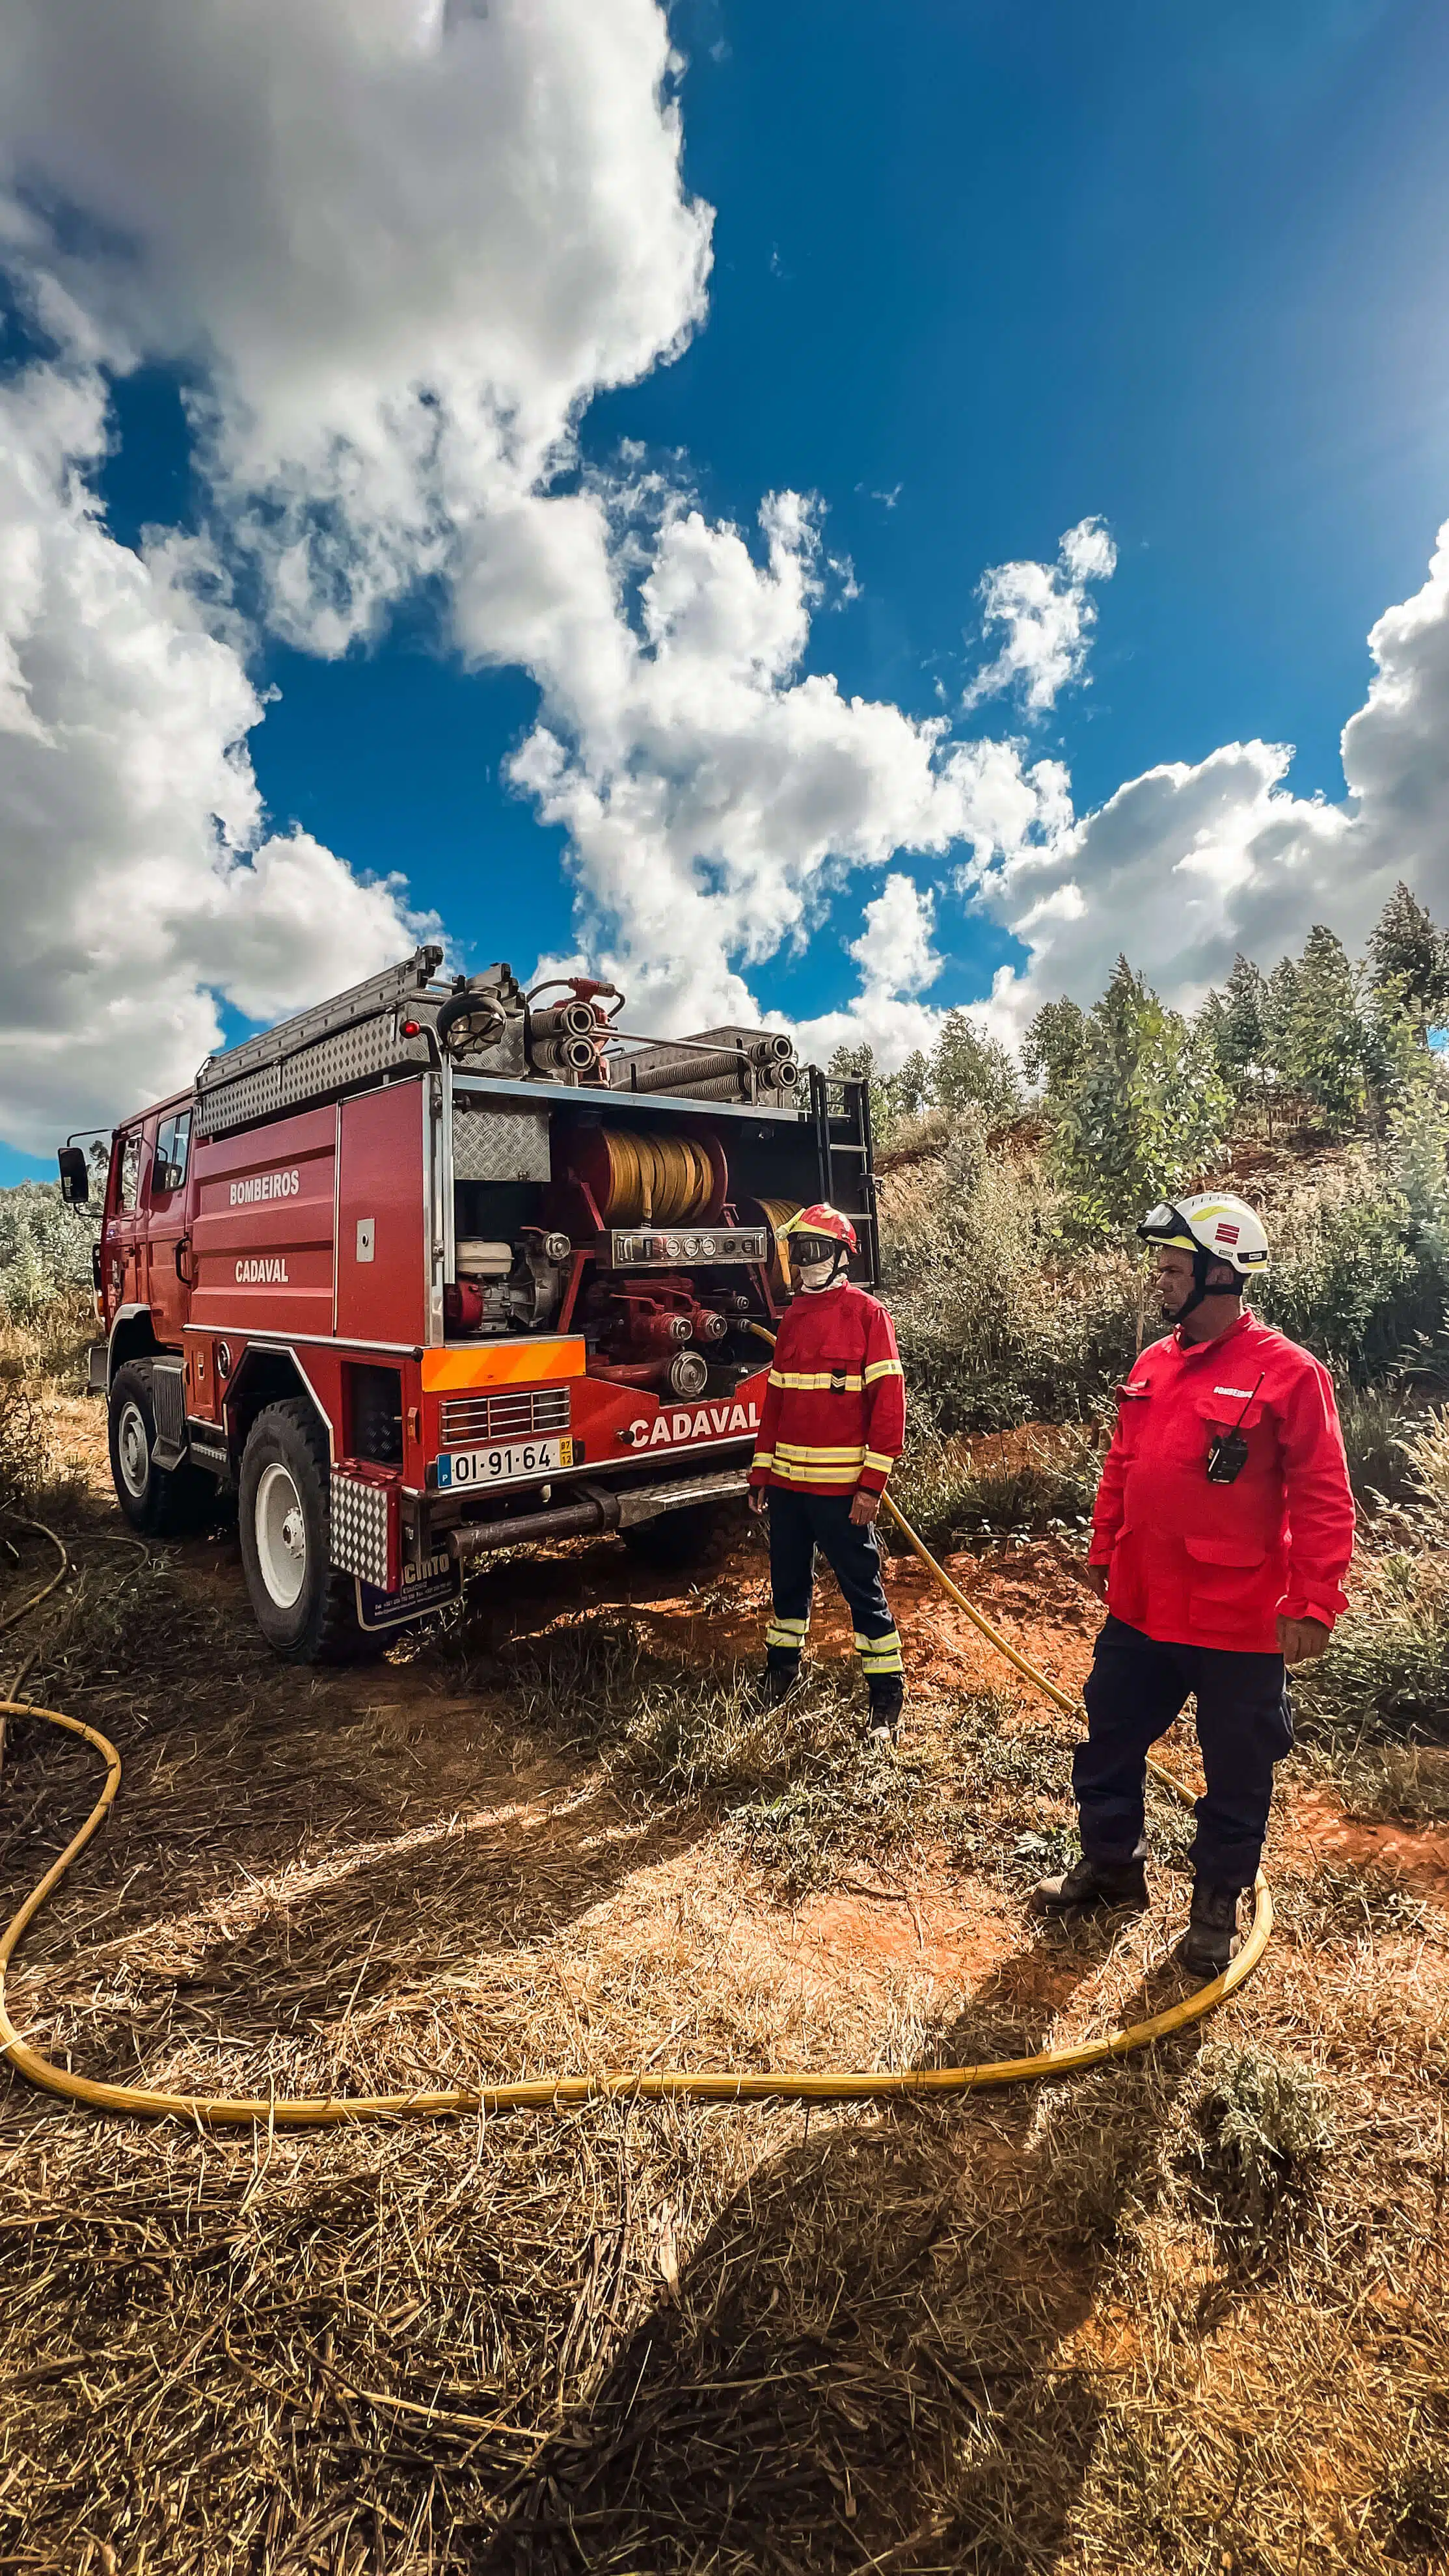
810,1471
883,1368
852,1455
878,1458
821,1381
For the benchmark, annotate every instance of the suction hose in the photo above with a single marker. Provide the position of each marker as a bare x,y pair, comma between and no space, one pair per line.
563,2092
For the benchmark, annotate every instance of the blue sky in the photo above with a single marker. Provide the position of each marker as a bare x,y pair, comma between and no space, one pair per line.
979,273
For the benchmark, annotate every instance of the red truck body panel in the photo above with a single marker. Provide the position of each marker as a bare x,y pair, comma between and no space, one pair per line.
262,1228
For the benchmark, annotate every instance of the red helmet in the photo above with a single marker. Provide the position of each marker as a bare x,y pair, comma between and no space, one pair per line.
827,1222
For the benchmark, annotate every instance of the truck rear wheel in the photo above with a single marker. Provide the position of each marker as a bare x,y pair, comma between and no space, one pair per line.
305,1608
161,1501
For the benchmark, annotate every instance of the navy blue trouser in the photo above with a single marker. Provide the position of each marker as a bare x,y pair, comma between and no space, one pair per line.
799,1524
1135,1689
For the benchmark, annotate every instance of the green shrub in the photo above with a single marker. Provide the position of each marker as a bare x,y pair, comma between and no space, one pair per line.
45,1248
1346,1279
1387,1671
998,1324
1413,2507
1049,1478
1264,2128
1376,1442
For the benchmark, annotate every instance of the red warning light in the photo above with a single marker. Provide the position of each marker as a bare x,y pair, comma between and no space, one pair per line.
412,1028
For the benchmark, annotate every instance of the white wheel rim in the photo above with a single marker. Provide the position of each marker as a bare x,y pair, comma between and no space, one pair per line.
133,1449
281,1532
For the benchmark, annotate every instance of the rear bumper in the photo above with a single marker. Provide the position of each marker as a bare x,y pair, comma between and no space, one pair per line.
593,1507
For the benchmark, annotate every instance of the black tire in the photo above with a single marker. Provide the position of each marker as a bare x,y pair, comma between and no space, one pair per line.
681,1541
305,1608
162,1502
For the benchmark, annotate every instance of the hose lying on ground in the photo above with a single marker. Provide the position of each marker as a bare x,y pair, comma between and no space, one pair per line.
561,2092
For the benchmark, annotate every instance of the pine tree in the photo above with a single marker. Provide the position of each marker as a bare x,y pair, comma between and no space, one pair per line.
910,1086
970,1068
1407,951
1052,1047
1144,1109
1328,1037
1234,1023
857,1063
1280,1003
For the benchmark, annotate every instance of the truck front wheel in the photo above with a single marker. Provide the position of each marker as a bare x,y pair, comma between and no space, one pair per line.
305,1608
161,1501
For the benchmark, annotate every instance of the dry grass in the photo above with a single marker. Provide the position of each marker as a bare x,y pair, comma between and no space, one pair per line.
1050,2331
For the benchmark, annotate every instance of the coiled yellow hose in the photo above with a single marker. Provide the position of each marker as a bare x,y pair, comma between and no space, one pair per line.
655,1179
562,2092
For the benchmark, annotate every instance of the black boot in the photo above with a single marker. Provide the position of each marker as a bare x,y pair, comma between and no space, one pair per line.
779,1678
1212,1932
887,1699
1091,1882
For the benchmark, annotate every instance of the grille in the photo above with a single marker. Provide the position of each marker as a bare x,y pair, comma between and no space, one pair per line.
518,1413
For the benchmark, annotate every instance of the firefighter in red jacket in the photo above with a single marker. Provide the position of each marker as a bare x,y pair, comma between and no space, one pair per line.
1222,1534
830,1432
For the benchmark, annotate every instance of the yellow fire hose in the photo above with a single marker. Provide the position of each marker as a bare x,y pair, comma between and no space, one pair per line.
561,2092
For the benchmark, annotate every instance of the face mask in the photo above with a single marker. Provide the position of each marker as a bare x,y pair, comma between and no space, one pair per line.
815,1274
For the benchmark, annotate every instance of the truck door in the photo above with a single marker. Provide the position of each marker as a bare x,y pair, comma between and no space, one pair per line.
123,1281
169,1241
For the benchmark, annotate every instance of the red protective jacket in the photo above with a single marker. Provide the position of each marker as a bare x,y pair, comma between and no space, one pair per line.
835,1399
1197,1564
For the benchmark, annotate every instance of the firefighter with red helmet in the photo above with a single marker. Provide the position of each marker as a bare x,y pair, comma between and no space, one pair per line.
830,1433
1221,1537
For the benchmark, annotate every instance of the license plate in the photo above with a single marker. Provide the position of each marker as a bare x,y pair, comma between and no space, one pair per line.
508,1463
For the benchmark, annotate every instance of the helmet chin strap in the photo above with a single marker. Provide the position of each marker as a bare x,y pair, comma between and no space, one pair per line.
1203,1287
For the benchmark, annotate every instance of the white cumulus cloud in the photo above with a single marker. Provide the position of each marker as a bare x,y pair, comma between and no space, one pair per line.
137,871
1048,613
1188,864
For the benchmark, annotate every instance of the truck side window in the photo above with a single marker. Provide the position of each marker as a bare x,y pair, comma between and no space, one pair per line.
130,1174
168,1169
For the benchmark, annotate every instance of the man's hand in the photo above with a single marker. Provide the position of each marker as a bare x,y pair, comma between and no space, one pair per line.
757,1501
1300,1640
864,1507
1095,1579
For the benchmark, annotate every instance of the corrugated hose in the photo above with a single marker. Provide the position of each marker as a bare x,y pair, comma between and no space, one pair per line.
563,2092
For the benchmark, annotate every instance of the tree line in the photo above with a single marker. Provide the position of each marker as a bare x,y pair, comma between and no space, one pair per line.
1137,1098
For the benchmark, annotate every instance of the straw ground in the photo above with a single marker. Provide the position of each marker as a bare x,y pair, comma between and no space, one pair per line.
1186,2314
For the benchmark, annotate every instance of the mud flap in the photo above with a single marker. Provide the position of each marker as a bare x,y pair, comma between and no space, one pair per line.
430,1586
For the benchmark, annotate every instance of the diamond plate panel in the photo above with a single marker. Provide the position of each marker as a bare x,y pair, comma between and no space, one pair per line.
329,1065
365,1524
496,1144
236,1104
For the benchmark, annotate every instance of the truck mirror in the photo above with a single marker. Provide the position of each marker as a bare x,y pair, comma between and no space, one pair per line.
75,1177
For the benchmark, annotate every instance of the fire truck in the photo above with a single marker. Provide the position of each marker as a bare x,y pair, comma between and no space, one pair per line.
439,1267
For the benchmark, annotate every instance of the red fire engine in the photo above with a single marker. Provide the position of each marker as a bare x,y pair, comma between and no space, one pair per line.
438,1268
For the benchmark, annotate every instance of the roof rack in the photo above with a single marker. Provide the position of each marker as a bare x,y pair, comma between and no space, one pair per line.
321,1051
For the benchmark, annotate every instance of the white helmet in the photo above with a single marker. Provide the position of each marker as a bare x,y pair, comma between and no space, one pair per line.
1212,1226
